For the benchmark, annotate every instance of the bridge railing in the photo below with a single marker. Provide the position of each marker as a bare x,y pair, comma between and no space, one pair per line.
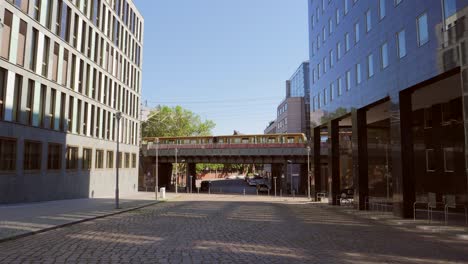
232,146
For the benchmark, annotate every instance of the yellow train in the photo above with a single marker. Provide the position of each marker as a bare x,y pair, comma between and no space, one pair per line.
293,138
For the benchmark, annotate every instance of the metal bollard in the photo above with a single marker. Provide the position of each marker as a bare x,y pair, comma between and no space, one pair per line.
244,191
281,192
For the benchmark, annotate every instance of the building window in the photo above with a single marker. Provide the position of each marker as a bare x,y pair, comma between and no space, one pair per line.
72,158
368,21
33,56
430,160
449,160
16,111
338,51
384,55
401,43
325,96
358,73
45,58
370,65
22,4
340,86
21,43
119,160
99,159
330,26
337,15
54,161
346,7
332,58
134,156
324,34
127,160
87,158
356,32
3,85
110,159
32,155
30,102
450,7
37,10
324,65
347,42
7,154
348,80
382,10
6,34
423,33
332,91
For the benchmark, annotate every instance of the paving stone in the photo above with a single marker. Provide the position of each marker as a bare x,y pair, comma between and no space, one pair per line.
236,229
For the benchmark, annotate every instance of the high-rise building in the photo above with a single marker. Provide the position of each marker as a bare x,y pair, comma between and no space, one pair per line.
66,68
389,110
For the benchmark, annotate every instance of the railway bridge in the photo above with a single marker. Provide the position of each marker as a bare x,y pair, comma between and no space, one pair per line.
277,150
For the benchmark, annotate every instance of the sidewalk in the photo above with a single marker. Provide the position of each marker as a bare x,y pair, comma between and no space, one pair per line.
418,227
19,220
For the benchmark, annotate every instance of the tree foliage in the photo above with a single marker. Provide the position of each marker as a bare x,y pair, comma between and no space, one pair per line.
165,121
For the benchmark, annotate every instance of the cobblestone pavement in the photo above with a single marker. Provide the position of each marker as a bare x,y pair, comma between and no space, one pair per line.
20,219
234,229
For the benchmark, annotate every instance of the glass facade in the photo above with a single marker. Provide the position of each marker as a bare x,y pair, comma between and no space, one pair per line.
406,120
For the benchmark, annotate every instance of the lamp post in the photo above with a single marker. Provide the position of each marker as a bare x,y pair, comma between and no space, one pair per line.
290,173
117,117
275,184
308,172
176,171
156,187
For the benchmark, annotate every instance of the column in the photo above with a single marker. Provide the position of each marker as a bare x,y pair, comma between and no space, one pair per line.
360,158
316,162
333,162
401,142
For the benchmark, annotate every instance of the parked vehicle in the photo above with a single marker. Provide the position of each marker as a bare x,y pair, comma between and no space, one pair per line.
205,186
263,187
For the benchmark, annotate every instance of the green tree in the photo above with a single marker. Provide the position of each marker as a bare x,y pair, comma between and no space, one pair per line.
165,121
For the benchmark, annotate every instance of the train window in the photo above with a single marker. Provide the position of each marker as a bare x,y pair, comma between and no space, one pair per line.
290,140
221,141
245,140
271,140
193,141
237,140
186,141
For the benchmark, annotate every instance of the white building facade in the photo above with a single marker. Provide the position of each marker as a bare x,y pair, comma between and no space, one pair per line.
66,67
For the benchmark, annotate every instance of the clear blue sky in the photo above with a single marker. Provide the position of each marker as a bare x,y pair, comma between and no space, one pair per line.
225,60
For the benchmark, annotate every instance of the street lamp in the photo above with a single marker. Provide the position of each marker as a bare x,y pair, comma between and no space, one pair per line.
176,171
290,173
308,172
157,169
117,116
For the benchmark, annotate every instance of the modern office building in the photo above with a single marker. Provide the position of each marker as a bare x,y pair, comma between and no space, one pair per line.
66,67
293,115
388,88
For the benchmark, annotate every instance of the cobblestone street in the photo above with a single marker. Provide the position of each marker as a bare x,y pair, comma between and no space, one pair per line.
234,229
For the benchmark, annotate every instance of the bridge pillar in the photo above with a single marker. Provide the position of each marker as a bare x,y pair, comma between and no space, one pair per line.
165,173
316,163
333,162
191,171
360,158
276,171
303,180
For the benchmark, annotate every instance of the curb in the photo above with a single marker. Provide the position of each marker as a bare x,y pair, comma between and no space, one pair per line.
14,237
